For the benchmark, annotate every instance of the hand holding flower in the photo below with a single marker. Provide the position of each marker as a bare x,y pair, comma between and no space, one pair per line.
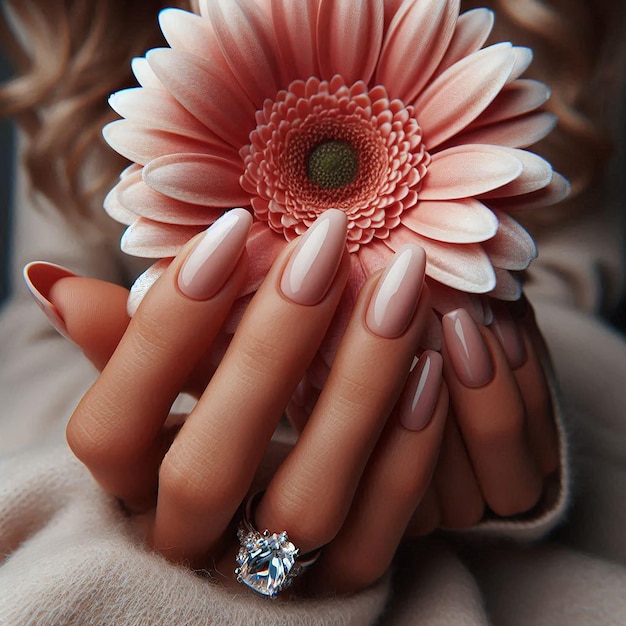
355,475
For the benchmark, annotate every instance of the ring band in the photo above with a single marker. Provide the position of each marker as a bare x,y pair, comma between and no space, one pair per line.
267,562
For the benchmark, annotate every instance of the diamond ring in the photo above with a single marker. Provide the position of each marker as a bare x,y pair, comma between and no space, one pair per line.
267,562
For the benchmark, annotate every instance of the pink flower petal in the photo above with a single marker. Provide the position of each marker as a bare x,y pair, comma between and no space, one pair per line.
554,193
264,245
444,299
246,39
197,179
220,105
140,144
471,33
391,8
342,316
523,59
466,267
508,286
414,45
136,196
349,38
374,256
145,75
515,99
432,337
158,110
143,283
294,30
114,208
520,132
512,248
459,221
462,93
537,174
191,33
467,171
131,169
146,238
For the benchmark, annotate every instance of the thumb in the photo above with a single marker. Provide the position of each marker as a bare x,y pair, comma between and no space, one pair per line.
94,314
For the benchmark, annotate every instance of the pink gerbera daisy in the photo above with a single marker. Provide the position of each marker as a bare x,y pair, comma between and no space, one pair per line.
390,110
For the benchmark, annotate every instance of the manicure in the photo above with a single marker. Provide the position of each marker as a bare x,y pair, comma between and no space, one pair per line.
215,256
468,352
422,392
313,265
505,329
395,299
40,276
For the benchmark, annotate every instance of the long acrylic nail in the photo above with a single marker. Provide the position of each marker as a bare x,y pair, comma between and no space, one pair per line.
313,265
422,392
396,296
468,352
39,277
508,334
215,256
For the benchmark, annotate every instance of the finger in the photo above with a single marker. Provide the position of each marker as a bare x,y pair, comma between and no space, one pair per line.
542,433
117,429
490,414
426,518
94,313
396,478
330,455
459,497
209,468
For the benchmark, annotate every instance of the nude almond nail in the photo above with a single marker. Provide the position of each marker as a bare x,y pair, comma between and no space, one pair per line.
395,299
468,352
39,277
313,265
422,392
506,331
215,256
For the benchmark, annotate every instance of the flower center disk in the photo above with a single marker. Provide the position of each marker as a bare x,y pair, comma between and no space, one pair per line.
332,164
324,144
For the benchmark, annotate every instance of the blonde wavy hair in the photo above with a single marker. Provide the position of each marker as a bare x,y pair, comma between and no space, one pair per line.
70,54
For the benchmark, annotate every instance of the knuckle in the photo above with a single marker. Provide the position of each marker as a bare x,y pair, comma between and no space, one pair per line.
259,355
310,526
93,443
150,337
194,487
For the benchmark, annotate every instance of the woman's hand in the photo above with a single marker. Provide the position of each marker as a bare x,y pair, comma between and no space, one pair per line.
500,446
355,476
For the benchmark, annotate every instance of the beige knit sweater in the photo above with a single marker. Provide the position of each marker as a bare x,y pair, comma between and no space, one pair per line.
69,557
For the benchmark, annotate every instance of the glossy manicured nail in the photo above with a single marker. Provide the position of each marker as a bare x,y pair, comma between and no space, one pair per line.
215,256
396,296
422,392
469,355
39,277
508,334
313,265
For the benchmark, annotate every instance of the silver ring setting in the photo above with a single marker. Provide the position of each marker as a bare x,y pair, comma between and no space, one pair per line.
267,562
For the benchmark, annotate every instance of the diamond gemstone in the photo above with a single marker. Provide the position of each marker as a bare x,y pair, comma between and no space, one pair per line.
266,563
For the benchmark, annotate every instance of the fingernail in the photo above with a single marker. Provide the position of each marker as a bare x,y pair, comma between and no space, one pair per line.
396,296
469,354
39,277
506,331
422,392
215,256
313,265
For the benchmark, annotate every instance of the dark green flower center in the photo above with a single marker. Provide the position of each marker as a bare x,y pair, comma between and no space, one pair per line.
332,164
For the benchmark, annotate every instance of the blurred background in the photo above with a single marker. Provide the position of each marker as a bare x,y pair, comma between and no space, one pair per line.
6,176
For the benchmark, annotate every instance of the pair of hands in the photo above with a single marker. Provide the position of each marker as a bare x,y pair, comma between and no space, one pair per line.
379,456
